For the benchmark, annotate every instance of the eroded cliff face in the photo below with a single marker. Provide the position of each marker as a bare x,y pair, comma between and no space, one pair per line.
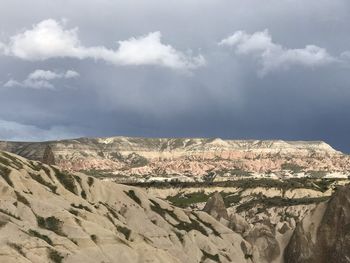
324,235
141,157
47,215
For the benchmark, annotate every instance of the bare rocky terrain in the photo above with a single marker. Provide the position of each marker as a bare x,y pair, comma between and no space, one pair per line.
182,200
187,159
48,215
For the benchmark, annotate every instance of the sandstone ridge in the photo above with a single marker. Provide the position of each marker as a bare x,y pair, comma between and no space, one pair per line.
125,157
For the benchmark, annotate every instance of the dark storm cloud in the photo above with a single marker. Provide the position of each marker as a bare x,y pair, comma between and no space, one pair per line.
270,87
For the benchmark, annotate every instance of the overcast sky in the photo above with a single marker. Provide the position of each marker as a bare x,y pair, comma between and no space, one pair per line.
247,69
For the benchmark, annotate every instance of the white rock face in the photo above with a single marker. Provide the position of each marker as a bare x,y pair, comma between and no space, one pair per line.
50,216
191,157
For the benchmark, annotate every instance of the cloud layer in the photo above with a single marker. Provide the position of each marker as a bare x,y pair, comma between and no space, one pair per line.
15,131
274,56
40,79
50,39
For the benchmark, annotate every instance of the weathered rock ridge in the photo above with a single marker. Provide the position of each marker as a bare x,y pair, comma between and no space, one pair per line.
50,216
47,215
324,235
121,157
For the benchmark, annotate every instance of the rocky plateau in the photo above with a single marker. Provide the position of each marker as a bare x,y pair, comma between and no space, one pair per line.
187,159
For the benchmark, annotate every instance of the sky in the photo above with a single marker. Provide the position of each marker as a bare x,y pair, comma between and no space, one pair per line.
235,69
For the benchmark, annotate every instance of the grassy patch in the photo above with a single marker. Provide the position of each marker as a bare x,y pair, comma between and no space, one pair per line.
14,161
83,207
66,180
239,172
73,212
125,231
295,168
94,238
55,256
279,202
5,173
317,174
210,226
194,225
162,211
230,199
18,248
40,180
185,200
133,196
206,255
22,199
246,183
51,223
35,233
9,214
90,181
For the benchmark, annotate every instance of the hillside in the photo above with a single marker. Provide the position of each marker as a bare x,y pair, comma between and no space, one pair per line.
47,215
50,216
142,159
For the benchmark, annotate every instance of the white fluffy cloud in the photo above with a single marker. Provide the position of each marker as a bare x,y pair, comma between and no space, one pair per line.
40,79
274,56
50,39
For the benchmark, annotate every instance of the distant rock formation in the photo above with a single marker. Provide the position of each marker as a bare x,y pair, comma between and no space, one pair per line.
215,206
189,157
48,156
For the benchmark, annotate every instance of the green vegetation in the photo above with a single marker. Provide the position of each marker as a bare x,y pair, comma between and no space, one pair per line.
110,210
4,161
40,180
3,223
185,200
35,233
180,236
22,199
325,184
162,211
94,238
137,160
82,193
317,174
279,202
239,172
5,173
194,225
55,256
210,226
230,198
125,231
9,214
34,166
246,183
16,162
98,173
133,196
295,168
66,180
18,248
51,223
206,255
80,206
73,212
90,181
